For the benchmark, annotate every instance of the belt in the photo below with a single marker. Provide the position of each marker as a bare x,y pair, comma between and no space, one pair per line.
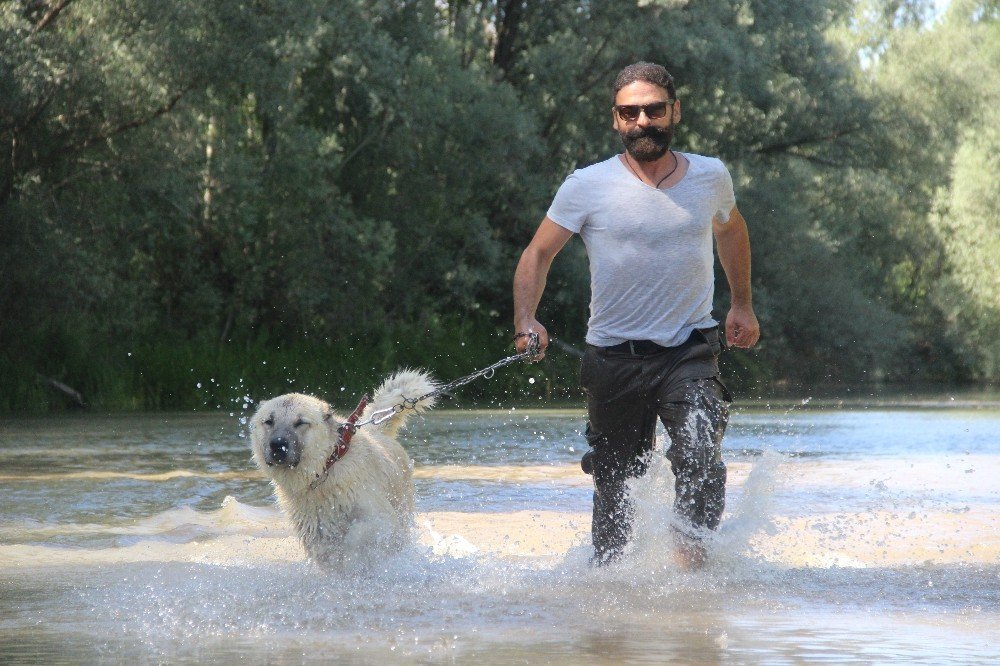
636,348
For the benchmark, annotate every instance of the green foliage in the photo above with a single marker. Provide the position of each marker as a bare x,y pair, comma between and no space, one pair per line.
948,79
307,194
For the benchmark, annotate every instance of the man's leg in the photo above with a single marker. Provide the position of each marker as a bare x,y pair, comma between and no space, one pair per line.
620,429
617,456
695,425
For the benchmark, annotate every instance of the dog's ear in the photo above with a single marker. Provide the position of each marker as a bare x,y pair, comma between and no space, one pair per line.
328,421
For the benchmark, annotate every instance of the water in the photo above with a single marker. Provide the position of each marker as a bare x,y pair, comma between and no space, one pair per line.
866,535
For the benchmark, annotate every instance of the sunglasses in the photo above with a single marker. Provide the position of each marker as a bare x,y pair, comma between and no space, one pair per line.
655,111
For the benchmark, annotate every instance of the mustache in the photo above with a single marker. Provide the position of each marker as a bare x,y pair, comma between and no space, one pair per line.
649,131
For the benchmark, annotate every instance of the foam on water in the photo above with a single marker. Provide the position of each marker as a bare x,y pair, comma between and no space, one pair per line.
445,594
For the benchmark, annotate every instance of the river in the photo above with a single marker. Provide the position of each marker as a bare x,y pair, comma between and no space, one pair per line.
862,533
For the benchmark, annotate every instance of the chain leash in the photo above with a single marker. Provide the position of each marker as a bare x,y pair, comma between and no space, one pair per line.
383,415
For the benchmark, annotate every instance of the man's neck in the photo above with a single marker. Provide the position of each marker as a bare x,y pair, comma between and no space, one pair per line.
654,171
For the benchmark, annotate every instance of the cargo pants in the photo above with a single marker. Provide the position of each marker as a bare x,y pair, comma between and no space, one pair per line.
628,387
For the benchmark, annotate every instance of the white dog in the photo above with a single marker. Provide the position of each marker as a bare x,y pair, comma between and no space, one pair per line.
365,498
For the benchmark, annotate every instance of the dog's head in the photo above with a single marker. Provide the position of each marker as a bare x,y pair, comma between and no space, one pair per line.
290,431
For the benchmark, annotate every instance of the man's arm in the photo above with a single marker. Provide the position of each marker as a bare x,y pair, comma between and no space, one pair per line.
732,242
529,281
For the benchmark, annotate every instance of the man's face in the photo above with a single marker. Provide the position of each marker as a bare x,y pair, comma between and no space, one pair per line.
646,139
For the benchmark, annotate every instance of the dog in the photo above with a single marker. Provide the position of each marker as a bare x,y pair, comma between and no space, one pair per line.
365,499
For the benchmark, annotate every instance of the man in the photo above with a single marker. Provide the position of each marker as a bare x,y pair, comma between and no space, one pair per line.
647,218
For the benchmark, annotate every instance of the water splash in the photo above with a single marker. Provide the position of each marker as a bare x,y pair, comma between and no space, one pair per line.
887,556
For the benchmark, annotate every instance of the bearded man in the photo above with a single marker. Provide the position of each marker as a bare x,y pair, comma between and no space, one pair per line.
647,218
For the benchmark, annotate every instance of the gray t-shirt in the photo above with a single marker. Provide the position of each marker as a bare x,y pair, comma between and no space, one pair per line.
650,249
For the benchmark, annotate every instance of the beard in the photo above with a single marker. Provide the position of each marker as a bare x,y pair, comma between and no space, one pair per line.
648,144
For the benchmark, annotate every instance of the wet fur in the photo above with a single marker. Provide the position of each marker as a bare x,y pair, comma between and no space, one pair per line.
367,499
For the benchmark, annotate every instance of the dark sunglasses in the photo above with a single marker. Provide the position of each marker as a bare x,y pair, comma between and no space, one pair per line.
655,111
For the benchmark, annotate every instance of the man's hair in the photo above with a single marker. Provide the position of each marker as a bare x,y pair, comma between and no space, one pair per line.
649,72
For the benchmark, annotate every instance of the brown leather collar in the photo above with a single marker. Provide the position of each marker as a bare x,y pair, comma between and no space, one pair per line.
346,432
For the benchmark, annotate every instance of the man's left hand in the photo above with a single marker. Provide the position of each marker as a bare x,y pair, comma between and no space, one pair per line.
742,329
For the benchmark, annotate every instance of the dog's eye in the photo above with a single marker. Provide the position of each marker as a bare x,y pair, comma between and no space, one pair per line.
300,423
269,421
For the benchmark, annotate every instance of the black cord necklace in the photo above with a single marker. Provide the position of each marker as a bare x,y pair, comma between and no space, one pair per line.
659,182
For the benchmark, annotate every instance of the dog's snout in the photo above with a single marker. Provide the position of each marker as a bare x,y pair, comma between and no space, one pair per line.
282,450
280,446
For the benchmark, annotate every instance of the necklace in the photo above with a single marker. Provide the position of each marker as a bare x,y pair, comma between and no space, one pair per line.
659,182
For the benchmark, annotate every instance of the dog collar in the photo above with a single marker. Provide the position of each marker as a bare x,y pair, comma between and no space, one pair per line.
345,433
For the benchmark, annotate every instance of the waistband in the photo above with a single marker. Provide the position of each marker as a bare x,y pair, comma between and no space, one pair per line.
649,348
635,348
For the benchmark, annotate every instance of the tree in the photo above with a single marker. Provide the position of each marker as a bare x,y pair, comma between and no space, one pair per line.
948,76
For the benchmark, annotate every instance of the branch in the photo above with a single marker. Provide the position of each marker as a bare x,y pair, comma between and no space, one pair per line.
139,122
50,15
583,89
587,86
87,168
368,138
798,143
817,160
107,133
65,389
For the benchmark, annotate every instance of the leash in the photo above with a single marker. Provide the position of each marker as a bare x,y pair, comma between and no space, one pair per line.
383,415
347,429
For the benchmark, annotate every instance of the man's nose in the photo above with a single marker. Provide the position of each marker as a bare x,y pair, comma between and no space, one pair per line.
643,120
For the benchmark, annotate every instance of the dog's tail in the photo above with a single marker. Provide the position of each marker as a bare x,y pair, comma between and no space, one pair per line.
400,387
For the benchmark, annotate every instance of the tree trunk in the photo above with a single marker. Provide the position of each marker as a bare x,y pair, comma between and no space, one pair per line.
207,179
509,16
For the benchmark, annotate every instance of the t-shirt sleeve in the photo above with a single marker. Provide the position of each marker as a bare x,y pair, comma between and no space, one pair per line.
569,207
725,196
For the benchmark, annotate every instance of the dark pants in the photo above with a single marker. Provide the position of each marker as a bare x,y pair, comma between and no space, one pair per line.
627,390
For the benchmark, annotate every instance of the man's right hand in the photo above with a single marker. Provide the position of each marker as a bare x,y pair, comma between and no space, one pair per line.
521,341
529,283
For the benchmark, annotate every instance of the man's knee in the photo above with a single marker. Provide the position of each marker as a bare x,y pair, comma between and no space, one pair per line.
696,426
699,419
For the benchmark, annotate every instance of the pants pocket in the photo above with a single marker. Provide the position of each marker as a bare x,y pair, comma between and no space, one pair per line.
594,439
587,368
727,395
712,338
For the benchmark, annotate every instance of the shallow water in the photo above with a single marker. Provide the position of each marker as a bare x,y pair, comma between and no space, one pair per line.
864,535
